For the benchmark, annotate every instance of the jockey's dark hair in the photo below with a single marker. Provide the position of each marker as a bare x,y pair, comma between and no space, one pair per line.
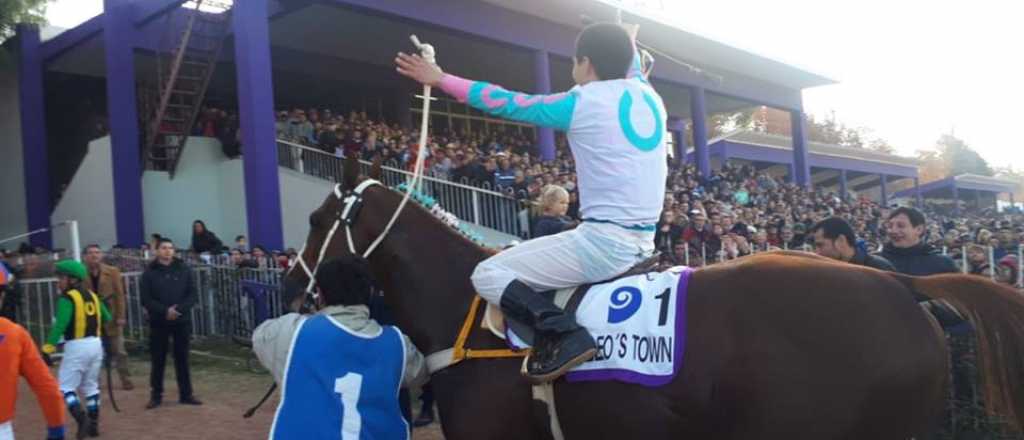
833,228
608,47
916,217
345,280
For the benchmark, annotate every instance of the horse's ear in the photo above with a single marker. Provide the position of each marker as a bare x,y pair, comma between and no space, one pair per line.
375,170
350,172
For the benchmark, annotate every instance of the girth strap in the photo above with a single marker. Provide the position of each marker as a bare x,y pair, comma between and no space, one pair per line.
451,356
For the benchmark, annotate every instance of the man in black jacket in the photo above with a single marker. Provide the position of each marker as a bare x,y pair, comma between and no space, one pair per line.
168,294
907,251
834,238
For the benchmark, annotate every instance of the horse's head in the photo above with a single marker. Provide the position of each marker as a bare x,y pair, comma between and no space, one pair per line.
421,264
343,224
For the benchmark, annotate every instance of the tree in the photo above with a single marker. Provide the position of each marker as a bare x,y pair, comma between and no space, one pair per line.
13,12
960,158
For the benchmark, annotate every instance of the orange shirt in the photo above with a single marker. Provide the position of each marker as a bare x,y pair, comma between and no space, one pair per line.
19,356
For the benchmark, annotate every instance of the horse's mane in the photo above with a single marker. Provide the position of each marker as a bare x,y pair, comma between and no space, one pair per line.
435,214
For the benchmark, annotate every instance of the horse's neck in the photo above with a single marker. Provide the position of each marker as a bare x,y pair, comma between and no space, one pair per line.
428,286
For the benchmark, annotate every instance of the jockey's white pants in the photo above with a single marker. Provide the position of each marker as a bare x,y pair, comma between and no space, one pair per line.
590,253
6,431
80,367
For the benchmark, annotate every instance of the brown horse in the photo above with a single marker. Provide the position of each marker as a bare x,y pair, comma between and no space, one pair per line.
778,347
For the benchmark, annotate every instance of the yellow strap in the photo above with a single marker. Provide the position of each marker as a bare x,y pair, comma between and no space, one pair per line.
76,297
460,352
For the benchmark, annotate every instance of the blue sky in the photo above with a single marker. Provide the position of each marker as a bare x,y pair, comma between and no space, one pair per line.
909,70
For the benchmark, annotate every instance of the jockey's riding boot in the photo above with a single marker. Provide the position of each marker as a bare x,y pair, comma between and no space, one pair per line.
94,423
559,342
83,422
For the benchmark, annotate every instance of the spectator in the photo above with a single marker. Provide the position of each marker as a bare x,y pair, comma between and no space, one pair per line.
241,243
168,293
554,203
105,280
698,232
236,258
668,233
977,261
1007,271
905,249
203,240
834,238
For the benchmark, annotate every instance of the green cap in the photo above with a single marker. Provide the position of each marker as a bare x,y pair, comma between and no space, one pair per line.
72,268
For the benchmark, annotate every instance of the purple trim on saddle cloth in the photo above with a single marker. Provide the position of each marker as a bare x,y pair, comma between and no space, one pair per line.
646,379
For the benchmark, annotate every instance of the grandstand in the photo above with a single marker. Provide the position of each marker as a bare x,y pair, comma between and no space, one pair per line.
103,116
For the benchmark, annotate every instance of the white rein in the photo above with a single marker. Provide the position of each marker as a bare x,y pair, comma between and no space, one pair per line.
428,54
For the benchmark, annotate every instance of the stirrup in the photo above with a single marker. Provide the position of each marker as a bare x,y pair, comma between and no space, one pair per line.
579,340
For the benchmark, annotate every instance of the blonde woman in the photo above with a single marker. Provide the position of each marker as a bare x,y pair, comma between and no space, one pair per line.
553,204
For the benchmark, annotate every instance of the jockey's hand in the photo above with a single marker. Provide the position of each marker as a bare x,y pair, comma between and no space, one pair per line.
49,349
415,67
632,29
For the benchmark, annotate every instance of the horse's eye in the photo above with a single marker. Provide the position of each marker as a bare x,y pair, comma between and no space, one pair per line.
313,222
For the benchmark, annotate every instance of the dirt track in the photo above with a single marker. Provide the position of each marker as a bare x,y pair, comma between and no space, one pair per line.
227,391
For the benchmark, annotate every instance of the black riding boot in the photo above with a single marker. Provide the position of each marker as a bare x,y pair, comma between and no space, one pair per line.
559,344
78,414
94,423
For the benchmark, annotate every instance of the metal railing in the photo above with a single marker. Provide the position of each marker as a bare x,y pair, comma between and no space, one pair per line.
495,208
230,302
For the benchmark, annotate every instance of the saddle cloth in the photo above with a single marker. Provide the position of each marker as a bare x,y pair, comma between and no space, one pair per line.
638,322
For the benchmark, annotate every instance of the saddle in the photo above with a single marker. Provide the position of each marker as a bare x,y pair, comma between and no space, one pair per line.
568,299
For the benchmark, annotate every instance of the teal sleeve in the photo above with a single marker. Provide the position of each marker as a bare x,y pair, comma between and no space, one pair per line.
553,111
64,310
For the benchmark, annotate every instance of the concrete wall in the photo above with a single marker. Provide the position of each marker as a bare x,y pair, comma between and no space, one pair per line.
13,219
89,198
207,187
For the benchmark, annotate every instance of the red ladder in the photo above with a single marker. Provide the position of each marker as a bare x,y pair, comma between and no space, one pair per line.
183,83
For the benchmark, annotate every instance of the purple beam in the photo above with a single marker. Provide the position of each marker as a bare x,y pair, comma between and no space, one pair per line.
885,189
677,128
700,131
33,134
843,192
542,86
802,165
118,33
256,111
956,198
917,193
495,23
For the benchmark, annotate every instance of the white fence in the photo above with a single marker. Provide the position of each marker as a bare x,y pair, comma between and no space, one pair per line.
495,208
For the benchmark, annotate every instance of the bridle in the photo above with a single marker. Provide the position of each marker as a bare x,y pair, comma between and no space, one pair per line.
352,200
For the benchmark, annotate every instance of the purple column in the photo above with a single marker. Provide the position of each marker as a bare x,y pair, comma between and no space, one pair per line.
885,190
803,170
33,134
956,199
843,191
700,132
542,85
256,112
677,128
917,193
118,34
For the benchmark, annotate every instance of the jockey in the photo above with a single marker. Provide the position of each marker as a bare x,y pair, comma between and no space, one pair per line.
362,363
79,320
615,123
20,357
